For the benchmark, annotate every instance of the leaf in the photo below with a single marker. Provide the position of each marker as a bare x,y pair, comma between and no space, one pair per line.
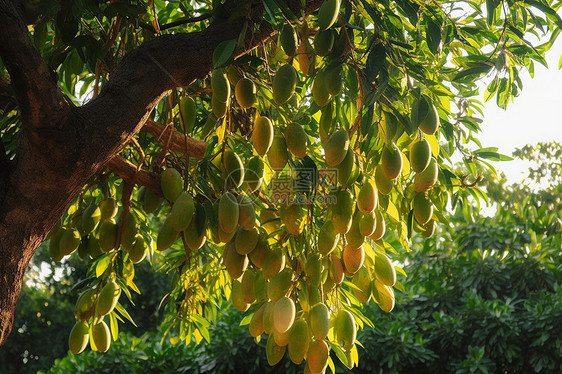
375,62
478,70
124,313
274,13
102,264
491,6
223,52
433,36
393,212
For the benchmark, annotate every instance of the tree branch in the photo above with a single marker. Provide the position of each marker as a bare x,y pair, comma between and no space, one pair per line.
175,140
36,91
132,174
7,96
184,21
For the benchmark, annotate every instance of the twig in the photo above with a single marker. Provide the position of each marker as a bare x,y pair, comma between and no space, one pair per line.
195,148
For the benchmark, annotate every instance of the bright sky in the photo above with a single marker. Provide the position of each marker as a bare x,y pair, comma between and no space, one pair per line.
534,116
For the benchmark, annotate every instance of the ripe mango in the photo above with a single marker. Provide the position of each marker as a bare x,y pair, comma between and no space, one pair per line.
284,84
248,286
281,338
327,238
85,306
220,87
383,295
69,241
328,14
336,269
108,208
100,336
293,215
235,263
345,329
342,211
420,155
296,139
367,198
256,323
273,264
166,236
313,269
391,161
320,92
253,174
306,55
384,185
258,255
109,295
288,40
423,209
345,168
353,258
236,296
424,180
319,321
354,237
228,213
245,93
233,169
362,279
367,224
277,154
269,220
268,317
384,269
90,218
273,352
194,235
335,148
246,241
188,113
246,213
280,284
78,339
380,227
323,42
129,231
171,183
284,314
139,250
318,353
298,341
108,235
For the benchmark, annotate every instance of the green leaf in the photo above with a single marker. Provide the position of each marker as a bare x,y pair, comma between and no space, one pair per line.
113,326
433,36
124,313
223,52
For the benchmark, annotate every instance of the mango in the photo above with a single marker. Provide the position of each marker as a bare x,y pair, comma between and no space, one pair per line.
260,287
90,218
345,168
362,279
328,14
78,339
342,211
313,269
284,84
424,180
296,139
380,227
85,306
423,209
319,321
245,93
288,40
280,284
236,296
277,154
171,183
256,323
353,258
195,235
166,236
100,336
269,220
150,201
283,314
336,269
253,175
220,86
108,208
367,224
327,238
273,352
246,241
293,214
367,198
318,353
354,237
306,56
233,75
428,229
268,317
281,338
391,161
218,107
425,116
383,295
384,270
298,341
69,241
182,212
420,155
139,249
335,147
129,231
345,329
188,113
273,264
235,263
320,92
246,213
323,42
108,235
228,212
334,79
326,122
384,185
108,298
248,286
233,169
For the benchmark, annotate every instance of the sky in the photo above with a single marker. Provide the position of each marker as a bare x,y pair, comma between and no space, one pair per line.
534,116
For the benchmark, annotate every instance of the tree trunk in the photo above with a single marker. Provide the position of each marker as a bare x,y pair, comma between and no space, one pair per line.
61,147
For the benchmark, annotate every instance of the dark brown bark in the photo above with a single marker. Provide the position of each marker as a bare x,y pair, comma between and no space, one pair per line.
61,146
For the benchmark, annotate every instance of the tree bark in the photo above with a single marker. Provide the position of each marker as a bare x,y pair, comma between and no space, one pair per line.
60,146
